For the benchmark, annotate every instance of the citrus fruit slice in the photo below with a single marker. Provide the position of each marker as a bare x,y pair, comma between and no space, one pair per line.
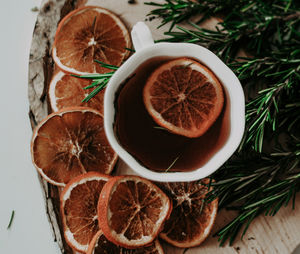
100,245
67,91
78,205
132,210
87,34
70,142
184,97
191,219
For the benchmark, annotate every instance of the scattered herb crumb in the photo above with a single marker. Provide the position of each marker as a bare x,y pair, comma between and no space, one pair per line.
35,9
202,205
186,66
150,18
131,1
11,219
131,50
172,164
159,128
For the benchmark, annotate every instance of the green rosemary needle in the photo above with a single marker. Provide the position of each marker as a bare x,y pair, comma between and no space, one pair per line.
99,81
11,219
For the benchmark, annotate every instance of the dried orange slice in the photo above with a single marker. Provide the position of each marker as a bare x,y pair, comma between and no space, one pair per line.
70,142
100,245
184,97
78,205
67,91
132,211
87,34
191,219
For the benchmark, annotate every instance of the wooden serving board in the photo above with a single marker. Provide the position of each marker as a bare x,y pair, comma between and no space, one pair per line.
278,234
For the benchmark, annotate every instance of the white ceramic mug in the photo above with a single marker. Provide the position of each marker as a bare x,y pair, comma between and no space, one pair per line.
147,49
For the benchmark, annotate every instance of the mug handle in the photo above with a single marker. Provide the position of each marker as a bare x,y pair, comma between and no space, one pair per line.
141,36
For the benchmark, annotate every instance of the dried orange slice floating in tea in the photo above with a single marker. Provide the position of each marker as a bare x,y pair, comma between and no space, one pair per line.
184,97
67,91
87,34
70,142
100,245
191,219
132,211
78,205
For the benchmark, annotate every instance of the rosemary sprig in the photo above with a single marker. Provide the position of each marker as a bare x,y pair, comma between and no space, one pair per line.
260,112
260,187
176,11
99,81
264,174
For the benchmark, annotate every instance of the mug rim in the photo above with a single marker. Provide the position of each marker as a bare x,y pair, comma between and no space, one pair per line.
226,77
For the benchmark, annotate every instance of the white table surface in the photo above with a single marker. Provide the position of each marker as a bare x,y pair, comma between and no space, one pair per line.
20,190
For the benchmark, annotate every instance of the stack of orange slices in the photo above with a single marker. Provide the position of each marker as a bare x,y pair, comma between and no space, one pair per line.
71,141
84,35
130,211
105,214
